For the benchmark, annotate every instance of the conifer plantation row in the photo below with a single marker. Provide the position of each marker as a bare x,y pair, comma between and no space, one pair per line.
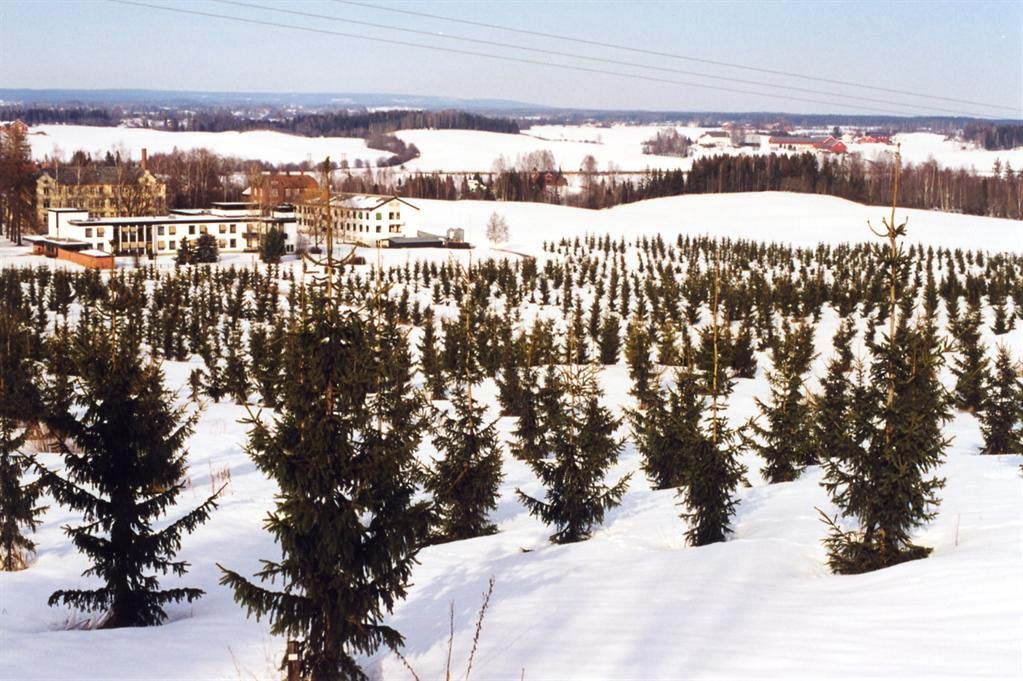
347,374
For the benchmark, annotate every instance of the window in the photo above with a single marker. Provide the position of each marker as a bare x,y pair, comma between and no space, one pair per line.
88,232
173,245
223,229
378,229
378,215
191,229
221,243
100,231
161,246
159,230
233,228
172,230
204,229
233,241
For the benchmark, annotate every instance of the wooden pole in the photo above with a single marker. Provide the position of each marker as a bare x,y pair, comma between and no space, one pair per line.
294,662
468,330
714,379
893,245
329,230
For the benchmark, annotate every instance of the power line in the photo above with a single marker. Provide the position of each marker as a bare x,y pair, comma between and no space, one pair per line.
487,55
617,62
670,55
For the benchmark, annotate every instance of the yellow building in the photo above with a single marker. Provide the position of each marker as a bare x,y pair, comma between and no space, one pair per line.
104,191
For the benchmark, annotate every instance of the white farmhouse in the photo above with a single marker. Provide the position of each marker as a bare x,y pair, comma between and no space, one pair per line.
715,139
360,218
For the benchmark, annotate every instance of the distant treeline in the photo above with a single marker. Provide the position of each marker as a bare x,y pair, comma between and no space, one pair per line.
65,115
925,185
345,124
992,136
332,124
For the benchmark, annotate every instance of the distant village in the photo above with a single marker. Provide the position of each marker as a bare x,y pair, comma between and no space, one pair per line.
732,137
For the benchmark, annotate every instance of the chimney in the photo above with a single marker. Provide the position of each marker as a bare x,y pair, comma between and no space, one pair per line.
145,159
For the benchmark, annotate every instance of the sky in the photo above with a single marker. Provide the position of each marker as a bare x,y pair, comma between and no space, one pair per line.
956,50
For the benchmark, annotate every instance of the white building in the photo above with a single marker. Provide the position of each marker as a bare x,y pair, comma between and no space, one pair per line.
236,226
360,218
715,139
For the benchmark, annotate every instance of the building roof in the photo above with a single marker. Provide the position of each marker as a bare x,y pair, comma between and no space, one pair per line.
716,133
93,174
793,140
203,218
287,180
234,205
59,241
360,201
414,241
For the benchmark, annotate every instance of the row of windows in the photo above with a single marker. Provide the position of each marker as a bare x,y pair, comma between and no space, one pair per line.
353,214
170,230
173,245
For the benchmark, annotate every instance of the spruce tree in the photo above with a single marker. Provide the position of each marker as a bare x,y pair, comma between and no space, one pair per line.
581,446
832,415
668,430
1001,422
743,359
970,365
185,254
342,451
206,249
465,480
510,388
272,246
785,441
609,342
19,404
714,471
637,356
705,363
667,346
429,359
530,433
122,443
885,485
236,374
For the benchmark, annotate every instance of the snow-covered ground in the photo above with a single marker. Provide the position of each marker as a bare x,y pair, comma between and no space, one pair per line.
919,147
475,151
454,150
633,602
61,141
797,219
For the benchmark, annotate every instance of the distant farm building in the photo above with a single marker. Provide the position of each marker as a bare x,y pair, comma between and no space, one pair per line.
829,145
715,139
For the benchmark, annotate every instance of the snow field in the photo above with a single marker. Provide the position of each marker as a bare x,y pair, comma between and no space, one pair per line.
633,602
476,151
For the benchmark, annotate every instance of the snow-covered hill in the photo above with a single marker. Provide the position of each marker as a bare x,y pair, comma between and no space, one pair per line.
470,150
